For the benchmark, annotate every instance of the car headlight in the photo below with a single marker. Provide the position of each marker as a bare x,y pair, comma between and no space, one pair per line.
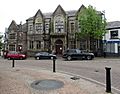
54,55
23,55
91,53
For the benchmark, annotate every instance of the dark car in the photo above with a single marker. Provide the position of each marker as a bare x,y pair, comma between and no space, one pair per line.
70,54
44,55
15,55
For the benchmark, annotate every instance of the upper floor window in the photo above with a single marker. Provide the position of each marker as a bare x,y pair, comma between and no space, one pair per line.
59,24
72,25
12,47
12,36
78,25
38,44
47,27
39,27
30,27
31,45
114,34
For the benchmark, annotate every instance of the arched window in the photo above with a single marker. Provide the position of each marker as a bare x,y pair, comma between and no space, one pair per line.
59,24
38,25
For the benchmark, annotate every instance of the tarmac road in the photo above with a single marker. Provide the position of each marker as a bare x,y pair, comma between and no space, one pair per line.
93,70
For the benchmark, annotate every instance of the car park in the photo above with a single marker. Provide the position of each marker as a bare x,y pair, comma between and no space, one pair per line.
44,55
70,54
15,55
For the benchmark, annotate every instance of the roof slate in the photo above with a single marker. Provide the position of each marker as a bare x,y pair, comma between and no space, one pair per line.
113,24
49,15
71,13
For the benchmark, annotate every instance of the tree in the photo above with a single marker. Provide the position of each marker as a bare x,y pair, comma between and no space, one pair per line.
92,26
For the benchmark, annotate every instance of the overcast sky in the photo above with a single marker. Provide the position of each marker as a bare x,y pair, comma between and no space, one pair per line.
20,10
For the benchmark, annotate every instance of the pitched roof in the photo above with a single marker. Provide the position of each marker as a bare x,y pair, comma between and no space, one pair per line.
13,25
68,13
24,27
49,15
71,12
59,8
31,18
113,24
39,11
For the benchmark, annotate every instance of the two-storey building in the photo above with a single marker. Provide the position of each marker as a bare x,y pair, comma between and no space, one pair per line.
112,39
47,32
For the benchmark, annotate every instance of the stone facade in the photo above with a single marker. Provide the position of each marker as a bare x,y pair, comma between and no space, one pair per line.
16,38
48,32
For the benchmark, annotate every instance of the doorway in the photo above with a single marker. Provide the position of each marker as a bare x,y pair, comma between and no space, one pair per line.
59,46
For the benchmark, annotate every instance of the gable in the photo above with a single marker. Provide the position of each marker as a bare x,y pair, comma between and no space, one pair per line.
80,10
38,18
13,26
59,10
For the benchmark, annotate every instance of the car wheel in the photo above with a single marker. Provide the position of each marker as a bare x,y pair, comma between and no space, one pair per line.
51,57
69,58
37,58
9,58
88,57
20,58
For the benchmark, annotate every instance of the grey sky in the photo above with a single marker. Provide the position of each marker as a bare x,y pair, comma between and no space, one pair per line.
20,10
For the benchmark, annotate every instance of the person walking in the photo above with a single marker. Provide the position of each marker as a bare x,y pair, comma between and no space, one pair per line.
104,54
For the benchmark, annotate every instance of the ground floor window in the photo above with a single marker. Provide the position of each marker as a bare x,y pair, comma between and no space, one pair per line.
11,47
31,45
38,44
72,44
110,47
46,45
82,45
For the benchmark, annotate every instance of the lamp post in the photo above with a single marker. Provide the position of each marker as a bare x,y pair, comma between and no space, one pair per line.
44,41
67,39
20,48
104,40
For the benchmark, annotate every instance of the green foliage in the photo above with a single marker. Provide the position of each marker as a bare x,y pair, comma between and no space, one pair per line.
91,23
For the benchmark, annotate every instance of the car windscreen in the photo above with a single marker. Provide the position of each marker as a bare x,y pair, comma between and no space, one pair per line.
43,53
13,52
78,51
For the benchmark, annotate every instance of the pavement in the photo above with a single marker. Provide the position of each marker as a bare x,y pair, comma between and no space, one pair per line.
18,80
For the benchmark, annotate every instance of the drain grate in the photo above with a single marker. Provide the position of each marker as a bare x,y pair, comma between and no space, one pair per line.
75,78
47,84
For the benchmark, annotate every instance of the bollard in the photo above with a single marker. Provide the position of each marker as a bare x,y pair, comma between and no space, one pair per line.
13,63
54,64
108,80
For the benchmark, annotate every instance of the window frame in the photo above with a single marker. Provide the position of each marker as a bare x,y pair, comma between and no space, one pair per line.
112,35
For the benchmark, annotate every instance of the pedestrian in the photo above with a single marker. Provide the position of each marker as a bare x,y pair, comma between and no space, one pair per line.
104,54
53,51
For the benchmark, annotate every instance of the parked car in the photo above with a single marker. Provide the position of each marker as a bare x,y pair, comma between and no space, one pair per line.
15,55
44,55
70,54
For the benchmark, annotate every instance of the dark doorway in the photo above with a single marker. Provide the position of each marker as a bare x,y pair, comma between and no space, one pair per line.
59,46
119,50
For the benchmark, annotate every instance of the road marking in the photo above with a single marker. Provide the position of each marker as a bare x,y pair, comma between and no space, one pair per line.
89,79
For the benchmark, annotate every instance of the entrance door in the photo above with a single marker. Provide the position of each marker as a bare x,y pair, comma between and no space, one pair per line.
119,50
59,46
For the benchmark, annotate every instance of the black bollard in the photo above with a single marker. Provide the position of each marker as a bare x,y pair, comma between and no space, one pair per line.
54,65
108,80
13,62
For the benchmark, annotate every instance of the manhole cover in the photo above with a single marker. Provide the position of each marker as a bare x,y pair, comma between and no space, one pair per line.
47,84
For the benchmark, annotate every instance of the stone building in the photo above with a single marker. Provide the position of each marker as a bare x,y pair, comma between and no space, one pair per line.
47,32
16,38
